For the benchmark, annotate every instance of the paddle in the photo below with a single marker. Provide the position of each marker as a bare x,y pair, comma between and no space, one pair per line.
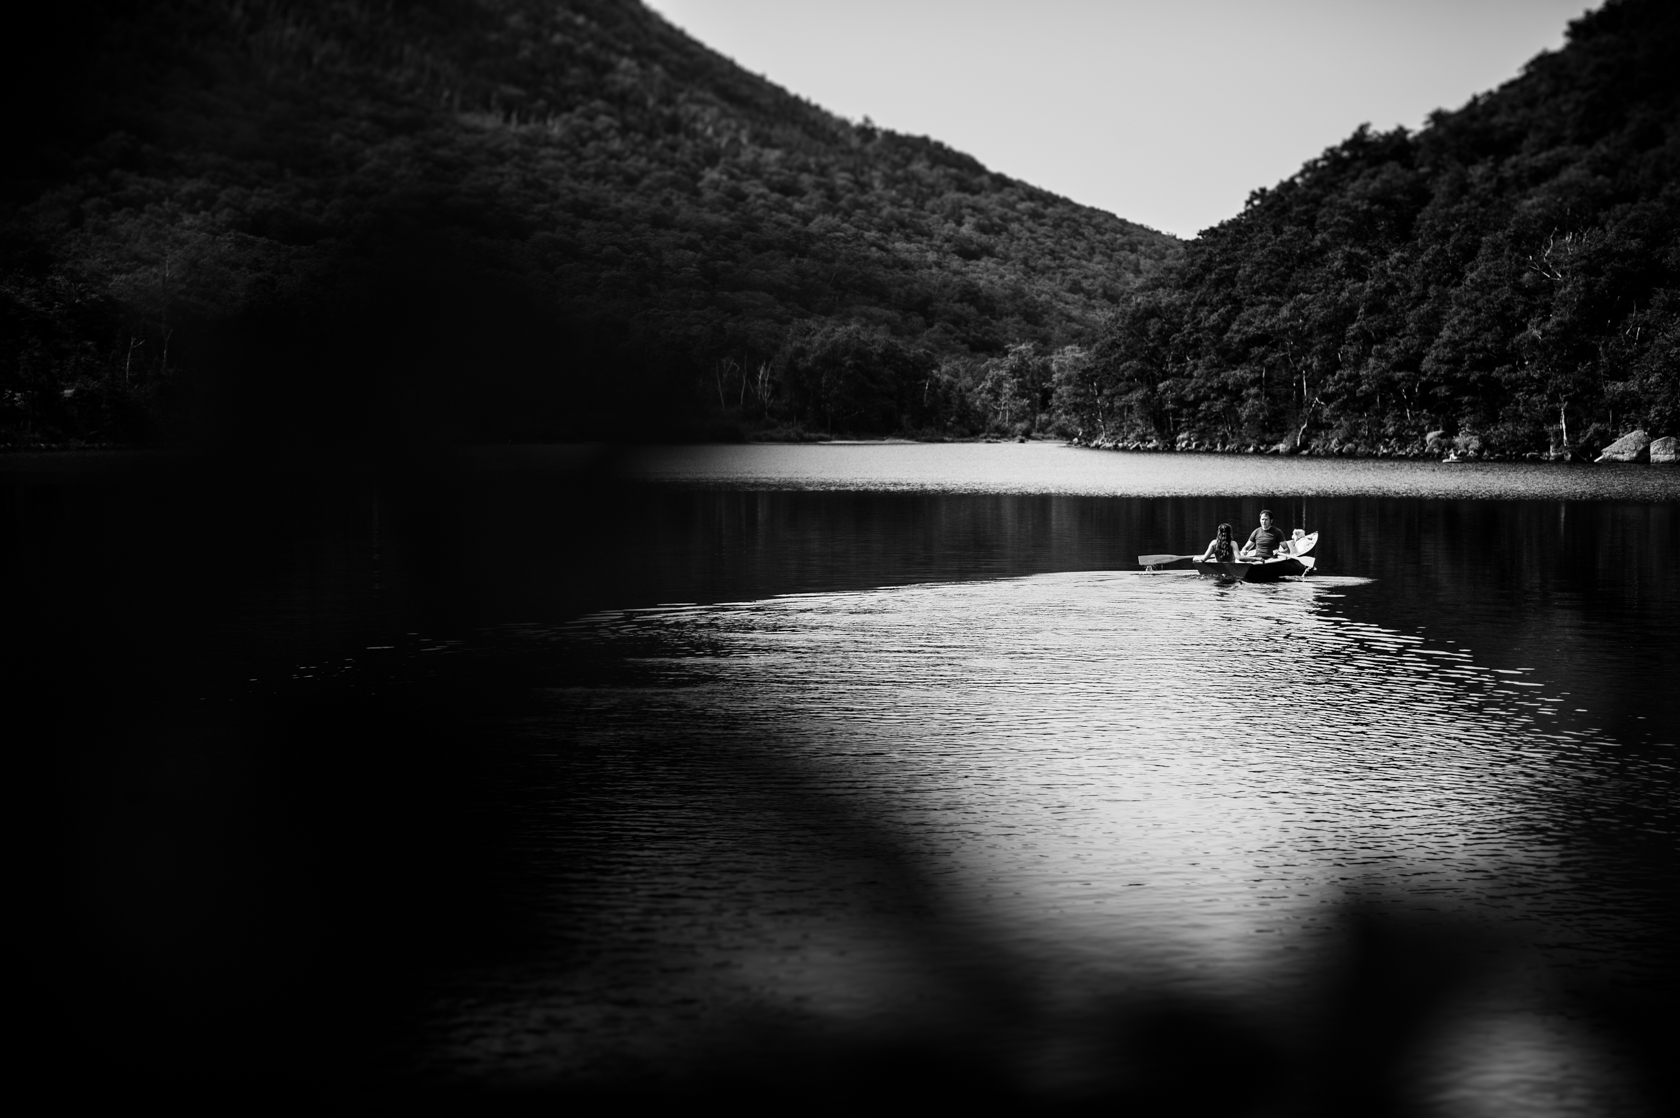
1160,560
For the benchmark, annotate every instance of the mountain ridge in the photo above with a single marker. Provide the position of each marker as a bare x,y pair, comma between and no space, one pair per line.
608,222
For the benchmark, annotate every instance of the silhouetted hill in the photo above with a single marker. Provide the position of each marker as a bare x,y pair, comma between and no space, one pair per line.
496,219
1508,276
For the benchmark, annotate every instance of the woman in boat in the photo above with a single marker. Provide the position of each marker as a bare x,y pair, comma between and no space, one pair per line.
1222,548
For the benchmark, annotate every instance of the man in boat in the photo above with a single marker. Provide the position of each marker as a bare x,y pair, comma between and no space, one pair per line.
1266,540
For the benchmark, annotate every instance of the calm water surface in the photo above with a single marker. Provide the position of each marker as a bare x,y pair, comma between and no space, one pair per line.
1051,468
871,749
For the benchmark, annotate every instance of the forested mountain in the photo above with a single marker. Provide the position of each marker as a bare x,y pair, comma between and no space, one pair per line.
1508,277
329,219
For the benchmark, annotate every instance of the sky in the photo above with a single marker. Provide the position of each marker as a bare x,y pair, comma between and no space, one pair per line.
1165,112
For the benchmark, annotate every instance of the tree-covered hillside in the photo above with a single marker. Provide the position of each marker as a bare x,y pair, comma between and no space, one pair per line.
496,219
1509,276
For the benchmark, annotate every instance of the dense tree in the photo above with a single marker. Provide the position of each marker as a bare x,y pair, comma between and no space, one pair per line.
851,378
494,218
500,218
1508,274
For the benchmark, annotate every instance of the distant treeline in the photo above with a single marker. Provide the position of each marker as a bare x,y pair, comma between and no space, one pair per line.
322,219
1506,281
1508,276
516,219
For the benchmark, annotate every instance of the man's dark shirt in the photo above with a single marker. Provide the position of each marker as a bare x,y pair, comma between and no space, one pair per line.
1266,540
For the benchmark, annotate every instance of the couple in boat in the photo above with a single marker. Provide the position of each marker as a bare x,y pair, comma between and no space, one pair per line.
1263,543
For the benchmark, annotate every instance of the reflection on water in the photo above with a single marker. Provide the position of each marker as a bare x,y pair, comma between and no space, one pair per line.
1050,468
1123,784
616,780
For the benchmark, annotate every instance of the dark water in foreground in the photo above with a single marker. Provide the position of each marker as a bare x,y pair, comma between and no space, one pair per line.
855,775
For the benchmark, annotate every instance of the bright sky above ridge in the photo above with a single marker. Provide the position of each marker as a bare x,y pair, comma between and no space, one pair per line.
1165,112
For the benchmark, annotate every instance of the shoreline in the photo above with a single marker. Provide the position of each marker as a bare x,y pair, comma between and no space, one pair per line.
1447,457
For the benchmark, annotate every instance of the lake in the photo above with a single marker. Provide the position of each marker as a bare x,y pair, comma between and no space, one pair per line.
858,771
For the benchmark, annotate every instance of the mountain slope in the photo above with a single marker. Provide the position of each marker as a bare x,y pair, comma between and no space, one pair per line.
1508,276
497,218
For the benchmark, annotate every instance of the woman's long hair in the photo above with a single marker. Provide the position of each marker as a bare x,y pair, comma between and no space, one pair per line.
1225,535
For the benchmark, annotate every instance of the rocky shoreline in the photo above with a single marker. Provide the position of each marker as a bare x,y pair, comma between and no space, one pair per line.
1635,446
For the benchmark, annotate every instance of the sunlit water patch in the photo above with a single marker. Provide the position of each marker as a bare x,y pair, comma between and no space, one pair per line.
933,801
1042,467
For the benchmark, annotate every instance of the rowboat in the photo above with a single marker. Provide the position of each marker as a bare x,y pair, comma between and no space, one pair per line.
1263,570
1297,563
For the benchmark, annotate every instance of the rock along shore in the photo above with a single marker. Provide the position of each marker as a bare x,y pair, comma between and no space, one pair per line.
1636,446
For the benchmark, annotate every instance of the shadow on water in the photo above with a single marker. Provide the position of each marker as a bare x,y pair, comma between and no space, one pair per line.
284,798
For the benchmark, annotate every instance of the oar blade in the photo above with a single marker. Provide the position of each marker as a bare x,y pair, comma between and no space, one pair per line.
1160,560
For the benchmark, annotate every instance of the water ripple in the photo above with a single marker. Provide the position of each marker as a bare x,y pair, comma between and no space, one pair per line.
1116,776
